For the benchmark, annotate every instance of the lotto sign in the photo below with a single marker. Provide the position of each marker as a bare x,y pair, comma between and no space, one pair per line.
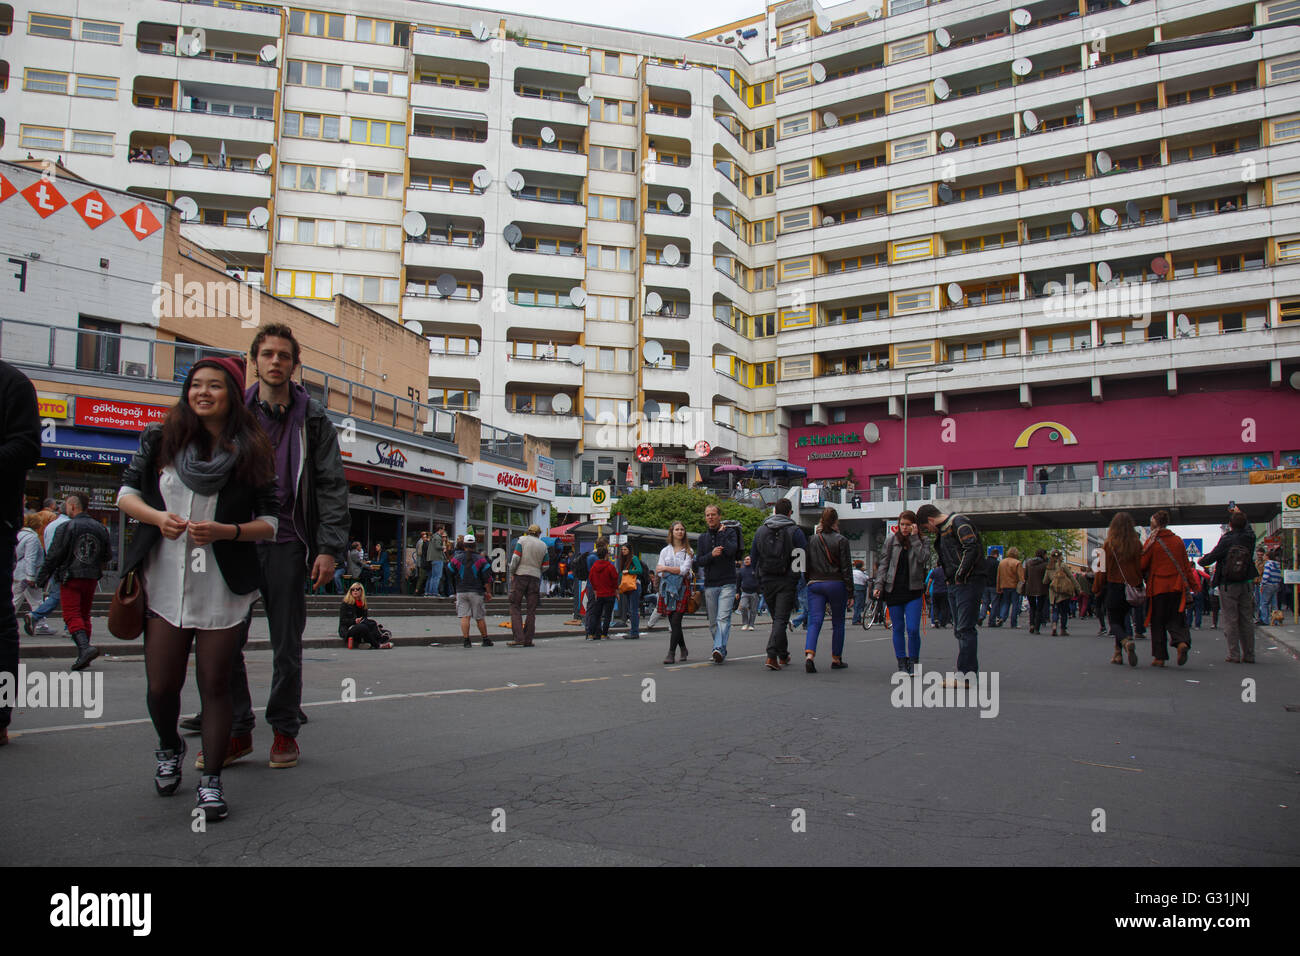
702,448
644,452
1291,511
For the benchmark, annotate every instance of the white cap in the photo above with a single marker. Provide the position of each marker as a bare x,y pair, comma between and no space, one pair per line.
469,539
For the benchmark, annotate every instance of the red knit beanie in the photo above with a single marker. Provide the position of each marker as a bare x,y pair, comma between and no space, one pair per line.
232,365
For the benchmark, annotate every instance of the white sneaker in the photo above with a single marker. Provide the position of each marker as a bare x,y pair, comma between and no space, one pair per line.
40,627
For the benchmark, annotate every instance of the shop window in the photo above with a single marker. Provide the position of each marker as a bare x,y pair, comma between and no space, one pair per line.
98,349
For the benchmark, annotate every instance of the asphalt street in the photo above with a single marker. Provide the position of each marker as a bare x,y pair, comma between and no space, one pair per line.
556,755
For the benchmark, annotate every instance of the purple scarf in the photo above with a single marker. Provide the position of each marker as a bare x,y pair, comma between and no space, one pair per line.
286,440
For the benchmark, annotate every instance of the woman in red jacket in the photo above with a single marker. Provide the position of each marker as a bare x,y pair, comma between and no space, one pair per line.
603,580
1168,575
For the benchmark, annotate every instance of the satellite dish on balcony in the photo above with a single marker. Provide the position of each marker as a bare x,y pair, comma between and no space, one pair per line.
1110,217
578,296
830,120
652,407
1021,17
514,180
159,154
1104,163
875,10
259,216
1077,222
512,234
823,23
415,224
561,404
955,293
584,93
1031,120
1103,272
181,151
945,192
672,255
413,326
943,38
871,432
194,44
1133,212
1184,325
481,31
947,139
828,220
188,208
818,73
1160,266
941,89
263,161
653,352
576,354
268,53
548,135
654,302
1021,66
481,179
446,284
675,202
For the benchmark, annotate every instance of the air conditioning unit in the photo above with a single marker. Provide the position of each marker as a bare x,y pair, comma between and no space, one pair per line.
168,48
134,369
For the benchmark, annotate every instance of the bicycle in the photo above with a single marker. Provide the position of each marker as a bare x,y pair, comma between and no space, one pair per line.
874,614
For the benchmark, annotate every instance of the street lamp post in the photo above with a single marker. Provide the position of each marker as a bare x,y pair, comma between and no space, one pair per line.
1217,38
906,376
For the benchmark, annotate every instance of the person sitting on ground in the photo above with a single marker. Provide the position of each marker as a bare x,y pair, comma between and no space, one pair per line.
355,624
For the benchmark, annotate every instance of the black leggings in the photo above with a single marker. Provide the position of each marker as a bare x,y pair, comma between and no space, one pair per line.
367,631
675,628
166,656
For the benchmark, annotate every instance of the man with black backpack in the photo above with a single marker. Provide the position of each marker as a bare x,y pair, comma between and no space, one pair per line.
76,559
1234,571
776,544
473,575
718,549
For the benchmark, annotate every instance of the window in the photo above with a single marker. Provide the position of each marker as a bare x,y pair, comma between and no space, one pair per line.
907,99
612,159
760,139
617,64
609,258
459,345
40,137
94,31
796,173
613,208
919,353
865,260
48,25
906,49
313,24
920,300
764,184
597,409
99,347
1288,250
916,197
1289,310
374,290
453,398
764,230
1282,70
609,308
909,148
1286,189
795,318
792,34
84,141
304,285
801,268
612,111
796,368
794,79
44,81
325,179
380,81
856,313
793,125
311,126
795,220
326,76
1284,129
100,87
905,250
374,31
378,133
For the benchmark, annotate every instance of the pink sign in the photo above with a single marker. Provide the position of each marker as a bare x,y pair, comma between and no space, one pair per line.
125,416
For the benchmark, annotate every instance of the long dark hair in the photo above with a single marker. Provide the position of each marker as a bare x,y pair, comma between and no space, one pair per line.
904,541
1122,538
255,461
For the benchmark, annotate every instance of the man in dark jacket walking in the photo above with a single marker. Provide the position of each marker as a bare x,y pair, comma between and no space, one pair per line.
961,552
1036,590
717,550
1234,572
76,560
20,449
777,544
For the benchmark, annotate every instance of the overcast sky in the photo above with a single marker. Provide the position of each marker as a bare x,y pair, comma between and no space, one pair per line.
671,17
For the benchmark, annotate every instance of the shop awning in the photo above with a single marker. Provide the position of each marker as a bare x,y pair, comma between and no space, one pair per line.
388,479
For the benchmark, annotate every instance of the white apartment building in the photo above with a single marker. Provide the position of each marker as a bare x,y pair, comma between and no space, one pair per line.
746,231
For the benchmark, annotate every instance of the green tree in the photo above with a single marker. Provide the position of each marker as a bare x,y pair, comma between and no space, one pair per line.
1028,542
660,507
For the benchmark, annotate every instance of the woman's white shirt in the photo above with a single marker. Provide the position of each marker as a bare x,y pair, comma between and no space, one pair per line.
670,558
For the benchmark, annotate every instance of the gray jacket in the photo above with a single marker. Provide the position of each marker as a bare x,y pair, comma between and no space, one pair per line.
28,555
918,556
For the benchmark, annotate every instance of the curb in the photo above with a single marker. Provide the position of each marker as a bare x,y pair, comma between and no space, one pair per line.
1279,636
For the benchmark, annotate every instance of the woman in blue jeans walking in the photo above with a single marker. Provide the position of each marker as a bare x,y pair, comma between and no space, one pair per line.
830,582
901,582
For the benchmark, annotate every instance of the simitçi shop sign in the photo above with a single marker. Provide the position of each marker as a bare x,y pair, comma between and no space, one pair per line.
497,477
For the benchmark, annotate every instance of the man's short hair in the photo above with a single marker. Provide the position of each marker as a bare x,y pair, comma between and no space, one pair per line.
925,513
783,506
48,504
81,498
275,330
1237,520
535,530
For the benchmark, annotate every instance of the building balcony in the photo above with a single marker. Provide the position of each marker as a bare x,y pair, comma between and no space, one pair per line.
434,309
442,256
447,203
544,319
198,179
458,367
251,19
438,149
439,98
227,239
667,124
555,371
553,427
549,161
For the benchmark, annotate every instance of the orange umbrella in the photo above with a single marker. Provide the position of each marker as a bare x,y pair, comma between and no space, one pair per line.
664,473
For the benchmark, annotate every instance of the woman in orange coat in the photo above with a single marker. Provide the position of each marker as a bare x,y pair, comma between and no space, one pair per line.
1168,576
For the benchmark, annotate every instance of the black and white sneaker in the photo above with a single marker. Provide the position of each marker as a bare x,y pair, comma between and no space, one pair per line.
211,800
168,775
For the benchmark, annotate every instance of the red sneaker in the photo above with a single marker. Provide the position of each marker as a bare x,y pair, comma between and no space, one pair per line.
284,752
240,746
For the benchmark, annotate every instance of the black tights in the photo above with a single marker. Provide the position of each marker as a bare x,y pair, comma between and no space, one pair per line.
675,629
166,656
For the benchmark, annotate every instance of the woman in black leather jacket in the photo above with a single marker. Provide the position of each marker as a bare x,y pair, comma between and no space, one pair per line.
830,582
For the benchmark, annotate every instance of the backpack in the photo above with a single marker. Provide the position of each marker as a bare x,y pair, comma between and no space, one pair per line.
774,552
470,578
580,567
1237,564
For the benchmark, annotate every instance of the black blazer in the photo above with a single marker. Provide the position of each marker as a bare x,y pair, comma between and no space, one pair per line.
349,614
237,503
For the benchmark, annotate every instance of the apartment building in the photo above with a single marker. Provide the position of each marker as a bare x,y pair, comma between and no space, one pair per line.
749,236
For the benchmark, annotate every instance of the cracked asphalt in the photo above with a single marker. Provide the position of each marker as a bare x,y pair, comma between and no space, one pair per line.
552,756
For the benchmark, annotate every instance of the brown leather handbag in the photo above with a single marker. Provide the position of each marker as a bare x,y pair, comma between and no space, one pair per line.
126,613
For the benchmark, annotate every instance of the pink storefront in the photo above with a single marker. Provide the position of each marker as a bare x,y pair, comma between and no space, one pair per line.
988,439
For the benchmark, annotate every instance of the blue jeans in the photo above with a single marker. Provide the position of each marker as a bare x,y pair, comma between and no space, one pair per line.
631,609
435,579
800,619
1196,609
908,616
718,602
966,608
1008,606
820,594
859,603
988,608
46,607
1267,603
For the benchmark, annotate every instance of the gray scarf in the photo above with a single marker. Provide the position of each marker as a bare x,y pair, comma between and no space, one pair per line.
204,477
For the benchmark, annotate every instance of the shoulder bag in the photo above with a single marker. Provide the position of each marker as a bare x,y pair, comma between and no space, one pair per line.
1134,596
126,613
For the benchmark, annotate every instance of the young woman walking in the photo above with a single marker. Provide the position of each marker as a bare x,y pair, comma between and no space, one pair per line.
1121,560
830,583
203,488
629,563
674,571
900,580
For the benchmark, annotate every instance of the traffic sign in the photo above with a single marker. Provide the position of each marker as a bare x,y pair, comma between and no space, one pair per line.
1195,547
1291,511
599,496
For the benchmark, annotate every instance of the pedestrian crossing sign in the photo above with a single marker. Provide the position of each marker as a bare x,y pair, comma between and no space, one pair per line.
1194,548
